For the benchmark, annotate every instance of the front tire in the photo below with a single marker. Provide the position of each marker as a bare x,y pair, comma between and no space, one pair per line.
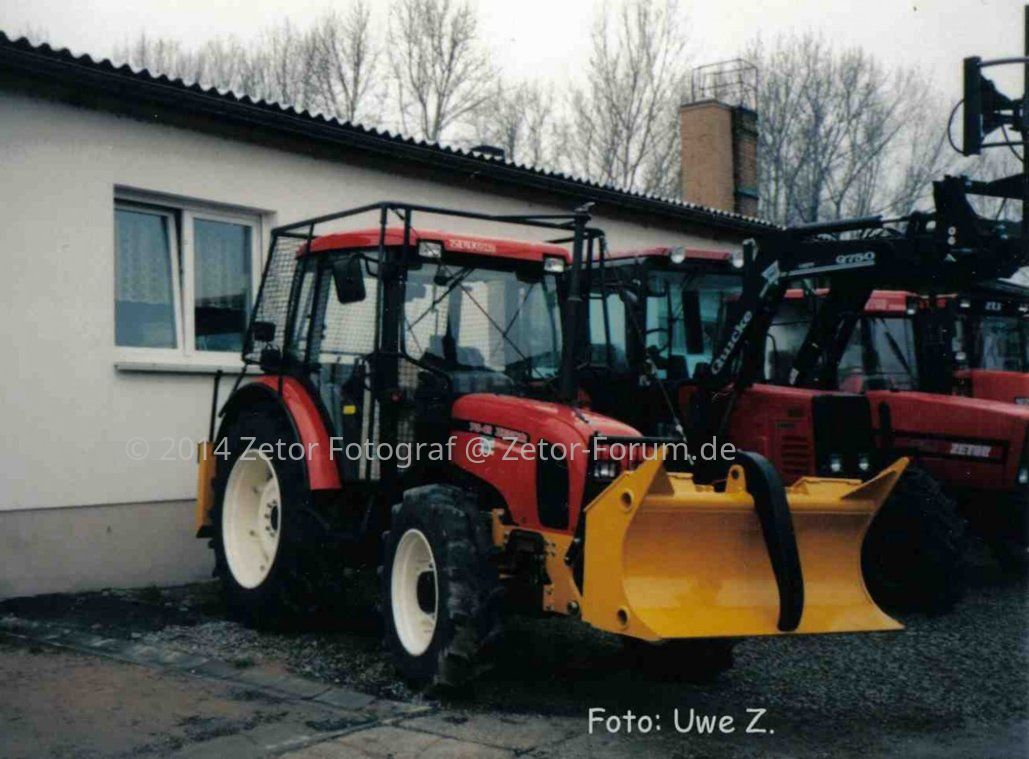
913,557
440,590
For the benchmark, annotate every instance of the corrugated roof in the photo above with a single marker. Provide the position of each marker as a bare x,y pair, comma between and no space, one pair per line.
123,81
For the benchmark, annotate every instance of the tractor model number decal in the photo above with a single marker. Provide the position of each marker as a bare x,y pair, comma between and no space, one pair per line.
487,430
842,261
850,259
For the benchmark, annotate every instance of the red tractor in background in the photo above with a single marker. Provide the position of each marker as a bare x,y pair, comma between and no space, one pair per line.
655,319
508,495
977,448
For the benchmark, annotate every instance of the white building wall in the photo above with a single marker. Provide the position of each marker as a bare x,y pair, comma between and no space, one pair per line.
66,412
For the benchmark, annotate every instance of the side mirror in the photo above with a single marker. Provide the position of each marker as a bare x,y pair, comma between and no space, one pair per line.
348,276
263,332
694,326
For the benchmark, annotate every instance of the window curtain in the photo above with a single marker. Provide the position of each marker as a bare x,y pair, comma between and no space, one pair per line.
222,278
144,304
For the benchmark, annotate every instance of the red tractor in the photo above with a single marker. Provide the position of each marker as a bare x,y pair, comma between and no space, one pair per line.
655,319
977,448
417,412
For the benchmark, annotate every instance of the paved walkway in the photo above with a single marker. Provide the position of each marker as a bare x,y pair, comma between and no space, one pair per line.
68,693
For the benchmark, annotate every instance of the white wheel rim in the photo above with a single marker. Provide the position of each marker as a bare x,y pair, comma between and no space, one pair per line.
414,592
251,519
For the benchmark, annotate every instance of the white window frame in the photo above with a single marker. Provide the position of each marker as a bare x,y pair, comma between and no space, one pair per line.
181,216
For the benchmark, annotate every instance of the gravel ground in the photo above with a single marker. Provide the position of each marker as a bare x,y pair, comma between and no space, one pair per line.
960,671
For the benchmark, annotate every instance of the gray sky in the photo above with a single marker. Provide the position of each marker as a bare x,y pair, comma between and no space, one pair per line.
550,38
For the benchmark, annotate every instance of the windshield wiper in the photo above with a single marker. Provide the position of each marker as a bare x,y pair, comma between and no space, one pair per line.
898,352
503,333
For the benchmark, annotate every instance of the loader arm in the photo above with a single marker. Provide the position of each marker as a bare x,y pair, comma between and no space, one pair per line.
946,250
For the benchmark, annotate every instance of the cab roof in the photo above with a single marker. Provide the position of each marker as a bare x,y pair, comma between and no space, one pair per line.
519,250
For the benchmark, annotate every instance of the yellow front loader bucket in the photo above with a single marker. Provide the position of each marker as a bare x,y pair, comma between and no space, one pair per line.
668,558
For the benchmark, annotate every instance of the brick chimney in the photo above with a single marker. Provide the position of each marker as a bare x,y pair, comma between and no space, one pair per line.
719,156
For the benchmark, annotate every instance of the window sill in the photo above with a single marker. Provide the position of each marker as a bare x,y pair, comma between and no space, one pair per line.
173,367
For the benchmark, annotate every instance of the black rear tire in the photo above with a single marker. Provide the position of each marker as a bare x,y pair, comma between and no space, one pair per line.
699,660
913,557
301,573
467,595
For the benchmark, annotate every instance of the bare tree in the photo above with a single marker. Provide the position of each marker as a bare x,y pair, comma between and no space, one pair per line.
521,120
281,67
289,58
625,129
840,135
441,74
156,54
347,65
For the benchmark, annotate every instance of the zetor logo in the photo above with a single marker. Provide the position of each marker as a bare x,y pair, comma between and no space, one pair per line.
971,449
472,246
853,259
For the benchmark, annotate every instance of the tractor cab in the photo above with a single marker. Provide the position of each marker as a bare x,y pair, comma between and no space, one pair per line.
883,352
990,341
652,323
461,315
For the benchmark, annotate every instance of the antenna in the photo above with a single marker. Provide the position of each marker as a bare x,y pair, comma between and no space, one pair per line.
733,82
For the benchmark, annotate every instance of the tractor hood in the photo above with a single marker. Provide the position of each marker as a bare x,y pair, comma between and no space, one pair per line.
534,454
539,420
963,442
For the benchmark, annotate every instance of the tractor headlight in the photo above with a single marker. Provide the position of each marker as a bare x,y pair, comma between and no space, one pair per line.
864,464
835,463
677,255
430,249
553,265
604,470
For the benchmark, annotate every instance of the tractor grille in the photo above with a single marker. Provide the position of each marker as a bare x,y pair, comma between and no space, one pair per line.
795,457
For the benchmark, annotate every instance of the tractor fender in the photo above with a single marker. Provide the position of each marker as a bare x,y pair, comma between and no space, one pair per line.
300,409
